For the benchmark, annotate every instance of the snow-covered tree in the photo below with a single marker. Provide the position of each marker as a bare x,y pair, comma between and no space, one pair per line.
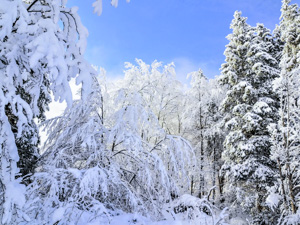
197,125
285,195
234,73
161,94
249,107
214,138
201,118
121,162
157,84
41,49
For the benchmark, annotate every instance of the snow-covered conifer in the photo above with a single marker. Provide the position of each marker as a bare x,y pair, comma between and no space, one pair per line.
249,107
287,131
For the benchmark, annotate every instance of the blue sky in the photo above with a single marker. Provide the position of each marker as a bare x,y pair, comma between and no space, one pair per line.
189,32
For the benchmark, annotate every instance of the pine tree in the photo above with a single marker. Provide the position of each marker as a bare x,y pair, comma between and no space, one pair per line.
29,140
287,131
249,107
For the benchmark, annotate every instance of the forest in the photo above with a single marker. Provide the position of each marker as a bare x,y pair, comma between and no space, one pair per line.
147,149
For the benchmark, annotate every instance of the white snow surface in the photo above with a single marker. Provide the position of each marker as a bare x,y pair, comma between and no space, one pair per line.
132,219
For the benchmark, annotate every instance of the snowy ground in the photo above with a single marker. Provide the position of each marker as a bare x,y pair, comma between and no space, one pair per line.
129,219
186,210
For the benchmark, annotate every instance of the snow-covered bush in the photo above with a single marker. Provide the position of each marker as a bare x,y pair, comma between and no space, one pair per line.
121,162
201,211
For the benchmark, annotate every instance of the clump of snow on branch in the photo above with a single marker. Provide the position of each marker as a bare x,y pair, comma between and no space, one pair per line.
98,5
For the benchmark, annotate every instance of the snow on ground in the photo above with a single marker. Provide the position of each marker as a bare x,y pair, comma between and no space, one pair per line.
186,210
130,219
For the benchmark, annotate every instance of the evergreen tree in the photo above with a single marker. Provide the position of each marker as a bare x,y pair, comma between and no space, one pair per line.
29,140
286,192
249,107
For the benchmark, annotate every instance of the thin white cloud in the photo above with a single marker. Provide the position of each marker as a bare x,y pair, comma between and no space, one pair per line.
185,65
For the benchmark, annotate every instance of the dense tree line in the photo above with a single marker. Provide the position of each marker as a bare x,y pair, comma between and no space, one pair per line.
223,149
